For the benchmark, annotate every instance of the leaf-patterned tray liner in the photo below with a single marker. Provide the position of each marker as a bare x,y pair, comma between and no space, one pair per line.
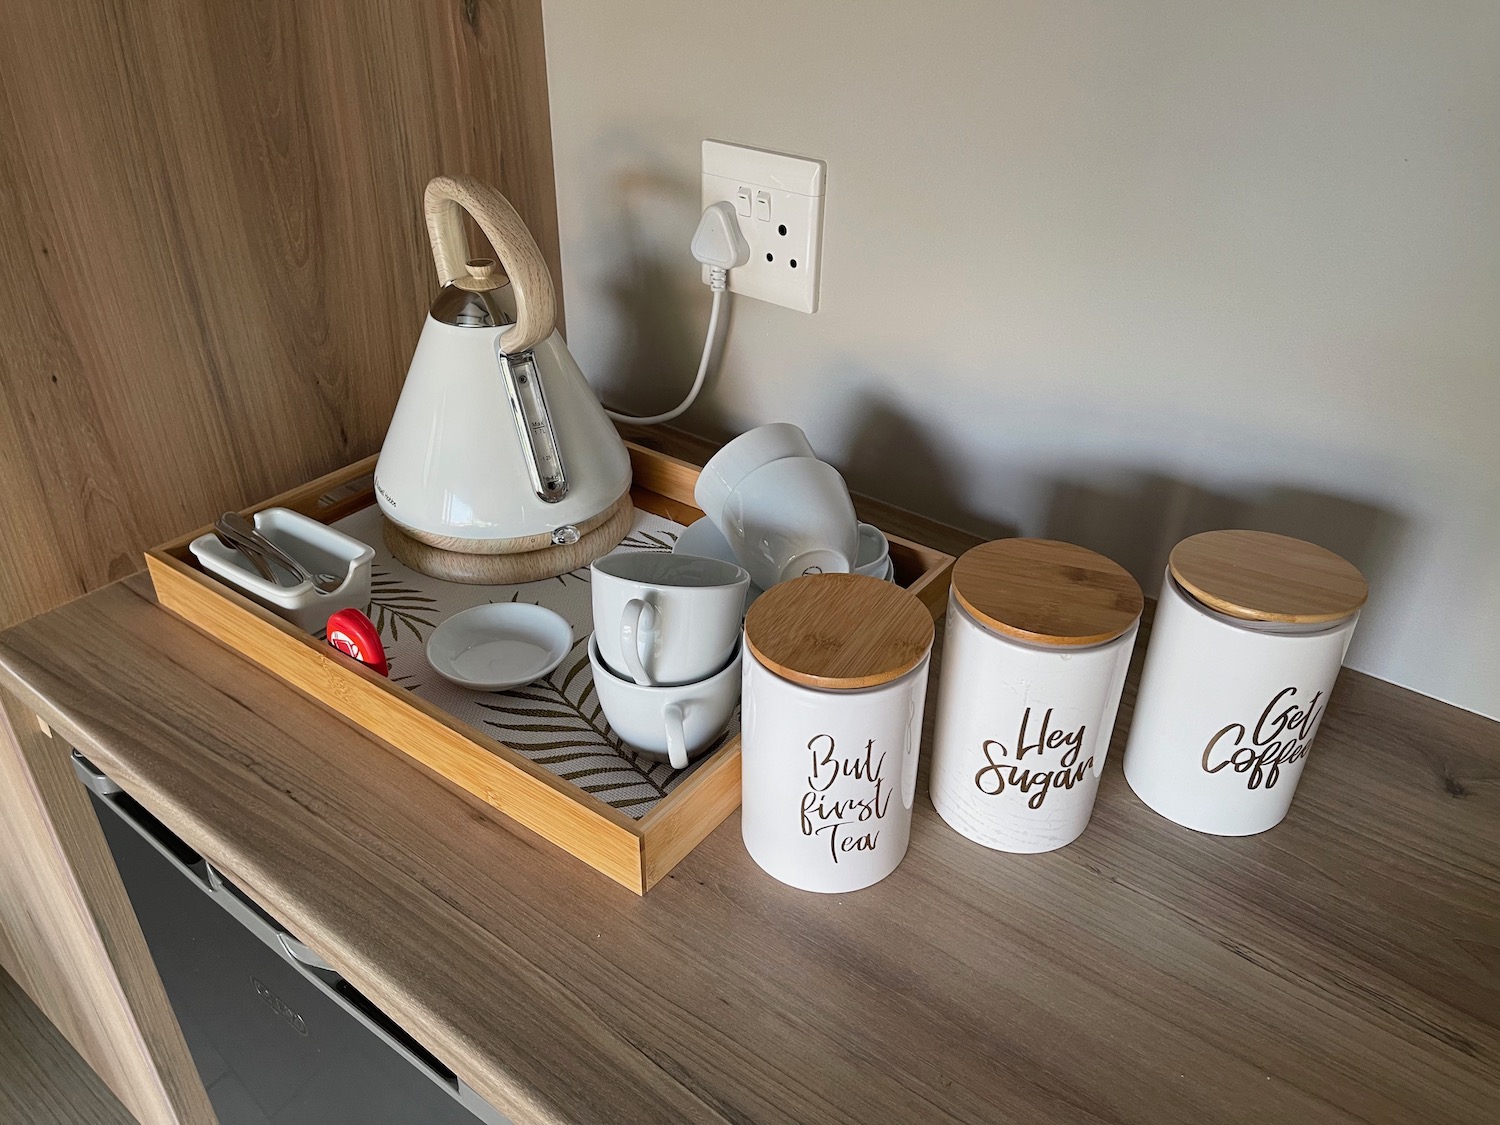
556,722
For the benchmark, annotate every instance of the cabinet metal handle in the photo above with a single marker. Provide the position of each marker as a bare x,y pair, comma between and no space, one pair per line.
93,777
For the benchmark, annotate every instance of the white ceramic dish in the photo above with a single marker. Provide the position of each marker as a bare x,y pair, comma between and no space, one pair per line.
499,646
703,539
874,557
317,546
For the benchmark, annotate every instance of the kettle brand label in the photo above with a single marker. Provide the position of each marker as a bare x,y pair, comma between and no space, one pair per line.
1281,736
1039,778
849,823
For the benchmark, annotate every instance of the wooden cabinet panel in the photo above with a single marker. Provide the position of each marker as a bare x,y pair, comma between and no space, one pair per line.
72,936
213,269
42,1079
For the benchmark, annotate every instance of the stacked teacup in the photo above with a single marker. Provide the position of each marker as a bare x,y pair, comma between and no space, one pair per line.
783,513
666,649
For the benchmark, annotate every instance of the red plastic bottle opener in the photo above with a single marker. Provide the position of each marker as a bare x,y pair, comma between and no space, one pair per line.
354,634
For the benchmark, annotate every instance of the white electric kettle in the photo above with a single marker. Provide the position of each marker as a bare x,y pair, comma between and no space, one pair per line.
498,445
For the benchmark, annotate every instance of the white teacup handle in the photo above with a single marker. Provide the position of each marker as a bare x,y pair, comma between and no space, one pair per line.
672,713
639,617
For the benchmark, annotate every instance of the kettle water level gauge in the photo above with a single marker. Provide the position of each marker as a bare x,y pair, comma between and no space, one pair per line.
528,402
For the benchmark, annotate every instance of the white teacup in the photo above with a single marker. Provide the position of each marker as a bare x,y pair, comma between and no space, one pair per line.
743,456
672,723
789,518
666,619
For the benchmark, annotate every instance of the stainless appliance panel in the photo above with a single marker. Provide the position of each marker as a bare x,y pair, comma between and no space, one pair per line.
278,1037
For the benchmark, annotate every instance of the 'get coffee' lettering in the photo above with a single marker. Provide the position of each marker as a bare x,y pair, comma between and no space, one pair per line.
1280,737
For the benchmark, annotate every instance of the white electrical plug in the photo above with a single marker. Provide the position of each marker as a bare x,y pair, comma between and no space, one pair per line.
718,243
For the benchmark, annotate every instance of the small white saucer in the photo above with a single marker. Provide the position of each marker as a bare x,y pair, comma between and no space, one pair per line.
702,538
499,646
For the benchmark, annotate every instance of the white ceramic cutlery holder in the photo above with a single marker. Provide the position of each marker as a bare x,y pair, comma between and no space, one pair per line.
1229,704
316,546
835,678
1039,636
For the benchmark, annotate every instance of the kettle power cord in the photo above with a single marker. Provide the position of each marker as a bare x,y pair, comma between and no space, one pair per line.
720,246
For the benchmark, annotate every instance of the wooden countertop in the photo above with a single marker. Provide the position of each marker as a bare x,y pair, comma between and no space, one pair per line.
1343,967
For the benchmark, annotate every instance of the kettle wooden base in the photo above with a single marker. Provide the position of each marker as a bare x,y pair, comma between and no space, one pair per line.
525,544
518,567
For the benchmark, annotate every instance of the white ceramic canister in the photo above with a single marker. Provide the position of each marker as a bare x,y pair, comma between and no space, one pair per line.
831,724
1039,635
1250,632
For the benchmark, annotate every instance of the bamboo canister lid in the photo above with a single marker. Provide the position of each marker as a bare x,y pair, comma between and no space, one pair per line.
1261,576
838,631
1047,592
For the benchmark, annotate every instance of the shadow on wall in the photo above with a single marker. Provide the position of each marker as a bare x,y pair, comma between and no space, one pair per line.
893,458
1132,515
656,320
1139,522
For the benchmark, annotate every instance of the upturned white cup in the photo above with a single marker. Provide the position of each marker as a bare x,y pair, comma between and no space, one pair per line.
666,619
673,723
789,518
743,456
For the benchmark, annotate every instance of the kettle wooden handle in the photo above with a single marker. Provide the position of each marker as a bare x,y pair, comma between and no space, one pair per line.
445,200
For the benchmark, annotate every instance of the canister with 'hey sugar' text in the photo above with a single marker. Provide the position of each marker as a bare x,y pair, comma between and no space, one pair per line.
1039,635
1249,635
831,718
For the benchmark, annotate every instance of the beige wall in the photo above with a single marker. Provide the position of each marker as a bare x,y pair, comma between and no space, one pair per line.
1108,272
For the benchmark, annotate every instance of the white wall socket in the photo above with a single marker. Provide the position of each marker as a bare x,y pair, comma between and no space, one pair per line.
779,201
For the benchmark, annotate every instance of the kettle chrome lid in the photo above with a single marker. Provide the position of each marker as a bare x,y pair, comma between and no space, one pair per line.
472,300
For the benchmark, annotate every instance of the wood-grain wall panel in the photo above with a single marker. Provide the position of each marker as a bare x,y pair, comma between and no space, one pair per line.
213,267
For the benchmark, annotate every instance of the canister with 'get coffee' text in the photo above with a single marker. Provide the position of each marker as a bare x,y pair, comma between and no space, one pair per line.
1249,635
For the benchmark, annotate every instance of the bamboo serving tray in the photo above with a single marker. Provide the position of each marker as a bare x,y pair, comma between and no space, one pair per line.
635,852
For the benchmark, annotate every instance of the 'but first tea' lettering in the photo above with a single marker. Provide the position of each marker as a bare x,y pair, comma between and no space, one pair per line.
834,816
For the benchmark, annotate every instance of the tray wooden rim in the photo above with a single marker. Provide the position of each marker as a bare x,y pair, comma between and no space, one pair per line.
635,852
